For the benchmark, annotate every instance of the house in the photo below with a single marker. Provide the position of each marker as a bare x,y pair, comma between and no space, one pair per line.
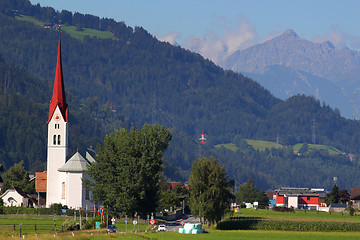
355,197
14,196
337,207
40,187
300,198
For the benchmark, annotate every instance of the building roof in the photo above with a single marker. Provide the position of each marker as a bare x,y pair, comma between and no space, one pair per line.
354,193
289,191
40,182
173,184
15,189
90,159
75,164
58,97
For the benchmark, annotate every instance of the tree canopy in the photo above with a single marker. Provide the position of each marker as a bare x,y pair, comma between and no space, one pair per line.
249,193
126,172
334,196
132,78
17,176
210,189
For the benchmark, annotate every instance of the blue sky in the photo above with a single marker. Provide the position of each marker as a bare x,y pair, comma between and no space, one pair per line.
229,24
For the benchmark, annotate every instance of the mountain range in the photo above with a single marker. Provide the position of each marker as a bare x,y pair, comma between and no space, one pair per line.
127,77
288,65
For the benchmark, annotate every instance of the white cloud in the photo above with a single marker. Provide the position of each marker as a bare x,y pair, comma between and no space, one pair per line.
339,38
335,36
171,38
233,35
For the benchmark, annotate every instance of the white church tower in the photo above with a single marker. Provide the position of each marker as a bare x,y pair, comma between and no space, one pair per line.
57,135
64,177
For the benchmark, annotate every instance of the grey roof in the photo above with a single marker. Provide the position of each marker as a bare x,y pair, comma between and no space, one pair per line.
75,164
89,158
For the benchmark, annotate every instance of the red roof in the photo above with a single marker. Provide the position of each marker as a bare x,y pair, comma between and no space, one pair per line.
40,183
173,184
58,97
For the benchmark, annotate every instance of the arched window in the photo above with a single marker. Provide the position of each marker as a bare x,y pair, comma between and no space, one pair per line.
59,140
63,190
87,194
54,139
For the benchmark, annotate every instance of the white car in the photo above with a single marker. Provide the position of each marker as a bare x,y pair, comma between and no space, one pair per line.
162,227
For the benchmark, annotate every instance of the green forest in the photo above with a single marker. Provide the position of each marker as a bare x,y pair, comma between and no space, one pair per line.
132,79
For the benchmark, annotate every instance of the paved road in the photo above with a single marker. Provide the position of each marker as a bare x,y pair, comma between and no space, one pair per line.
175,225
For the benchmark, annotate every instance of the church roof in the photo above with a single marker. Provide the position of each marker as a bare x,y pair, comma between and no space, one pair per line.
89,158
75,164
58,97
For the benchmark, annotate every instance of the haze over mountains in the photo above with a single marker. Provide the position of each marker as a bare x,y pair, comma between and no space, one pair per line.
130,78
288,65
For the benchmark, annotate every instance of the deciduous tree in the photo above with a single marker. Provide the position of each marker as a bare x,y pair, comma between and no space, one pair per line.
210,189
126,172
17,176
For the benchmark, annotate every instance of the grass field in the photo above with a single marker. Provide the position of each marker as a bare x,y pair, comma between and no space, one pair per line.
29,19
71,30
229,146
317,146
7,232
262,145
211,234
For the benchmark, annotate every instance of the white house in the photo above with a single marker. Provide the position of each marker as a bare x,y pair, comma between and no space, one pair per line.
15,197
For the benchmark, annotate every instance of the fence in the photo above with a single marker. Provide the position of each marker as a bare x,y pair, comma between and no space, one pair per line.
34,228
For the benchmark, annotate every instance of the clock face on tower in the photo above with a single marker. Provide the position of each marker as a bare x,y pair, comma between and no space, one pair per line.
57,117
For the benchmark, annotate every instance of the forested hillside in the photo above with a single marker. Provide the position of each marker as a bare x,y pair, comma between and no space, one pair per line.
133,79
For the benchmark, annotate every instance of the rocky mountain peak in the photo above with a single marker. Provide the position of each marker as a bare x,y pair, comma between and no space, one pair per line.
289,34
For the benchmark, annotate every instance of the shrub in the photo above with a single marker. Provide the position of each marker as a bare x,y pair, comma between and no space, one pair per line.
351,211
70,225
87,225
57,208
283,209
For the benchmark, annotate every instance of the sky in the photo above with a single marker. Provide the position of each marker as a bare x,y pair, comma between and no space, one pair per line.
218,27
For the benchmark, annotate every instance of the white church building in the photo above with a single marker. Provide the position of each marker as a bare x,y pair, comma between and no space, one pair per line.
64,176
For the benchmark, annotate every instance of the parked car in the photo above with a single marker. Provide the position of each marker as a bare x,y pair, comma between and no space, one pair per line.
162,227
111,229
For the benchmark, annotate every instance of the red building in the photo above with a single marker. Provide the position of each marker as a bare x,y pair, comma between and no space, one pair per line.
300,198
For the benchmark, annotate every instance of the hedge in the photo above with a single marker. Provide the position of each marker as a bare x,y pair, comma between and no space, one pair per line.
40,211
257,224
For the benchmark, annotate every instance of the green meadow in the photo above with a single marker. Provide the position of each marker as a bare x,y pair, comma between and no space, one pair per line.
317,146
145,231
71,30
262,145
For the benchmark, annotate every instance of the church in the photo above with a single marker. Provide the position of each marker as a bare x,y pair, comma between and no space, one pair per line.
64,176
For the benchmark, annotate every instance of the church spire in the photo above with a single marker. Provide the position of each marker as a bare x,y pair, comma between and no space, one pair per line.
58,97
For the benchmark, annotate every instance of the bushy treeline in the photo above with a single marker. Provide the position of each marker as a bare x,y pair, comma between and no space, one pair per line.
278,167
44,211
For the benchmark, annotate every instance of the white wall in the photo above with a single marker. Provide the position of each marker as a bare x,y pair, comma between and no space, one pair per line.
12,194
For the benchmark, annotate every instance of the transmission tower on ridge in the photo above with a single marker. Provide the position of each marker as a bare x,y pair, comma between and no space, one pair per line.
202,141
313,127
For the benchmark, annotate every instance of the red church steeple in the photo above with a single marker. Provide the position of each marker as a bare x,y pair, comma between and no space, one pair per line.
58,97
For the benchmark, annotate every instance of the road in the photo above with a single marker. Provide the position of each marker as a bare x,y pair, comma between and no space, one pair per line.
175,225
